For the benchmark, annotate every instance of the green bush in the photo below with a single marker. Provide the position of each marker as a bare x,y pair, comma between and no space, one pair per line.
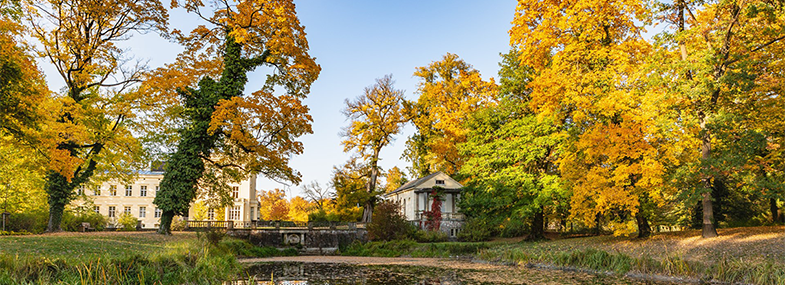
72,220
34,222
178,223
388,223
430,236
127,222
475,230
514,227
244,248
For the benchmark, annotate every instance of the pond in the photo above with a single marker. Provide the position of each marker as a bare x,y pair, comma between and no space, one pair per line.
345,274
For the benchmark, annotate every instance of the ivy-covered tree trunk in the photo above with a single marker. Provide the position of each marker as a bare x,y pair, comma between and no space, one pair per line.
166,222
60,193
185,167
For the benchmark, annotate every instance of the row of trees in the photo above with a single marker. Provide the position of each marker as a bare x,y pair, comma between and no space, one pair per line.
592,122
115,113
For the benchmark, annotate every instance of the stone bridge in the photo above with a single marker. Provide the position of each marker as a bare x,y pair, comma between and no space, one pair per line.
308,238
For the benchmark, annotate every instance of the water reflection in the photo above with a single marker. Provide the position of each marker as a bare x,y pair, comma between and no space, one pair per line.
340,274
279,273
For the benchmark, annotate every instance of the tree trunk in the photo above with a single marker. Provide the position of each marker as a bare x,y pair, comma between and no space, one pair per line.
166,223
60,191
644,229
597,226
538,226
774,210
708,208
368,210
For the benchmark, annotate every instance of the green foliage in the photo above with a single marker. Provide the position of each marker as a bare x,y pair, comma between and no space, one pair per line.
72,220
127,222
388,223
513,227
425,236
476,230
33,221
396,248
244,248
509,156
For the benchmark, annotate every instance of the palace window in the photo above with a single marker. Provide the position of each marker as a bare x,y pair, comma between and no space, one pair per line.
142,212
127,210
235,192
439,182
112,190
97,209
234,213
112,211
157,212
143,191
80,190
97,191
128,190
211,214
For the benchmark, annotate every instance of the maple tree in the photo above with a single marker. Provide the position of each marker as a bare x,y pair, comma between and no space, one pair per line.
376,116
227,134
91,131
449,91
22,88
721,60
587,58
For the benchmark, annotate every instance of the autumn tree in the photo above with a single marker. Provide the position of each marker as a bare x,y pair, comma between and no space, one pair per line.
226,134
91,131
588,59
510,155
450,90
376,116
23,91
394,178
273,205
720,58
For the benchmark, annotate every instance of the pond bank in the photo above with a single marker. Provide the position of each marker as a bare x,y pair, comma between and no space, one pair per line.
436,270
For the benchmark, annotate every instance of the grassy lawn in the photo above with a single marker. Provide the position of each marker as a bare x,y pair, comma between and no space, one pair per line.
90,246
118,258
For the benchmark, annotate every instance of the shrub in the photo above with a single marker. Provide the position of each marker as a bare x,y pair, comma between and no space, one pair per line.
513,228
178,223
430,236
127,222
72,220
475,230
34,222
388,223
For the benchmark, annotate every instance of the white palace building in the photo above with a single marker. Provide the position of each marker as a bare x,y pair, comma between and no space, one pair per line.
114,198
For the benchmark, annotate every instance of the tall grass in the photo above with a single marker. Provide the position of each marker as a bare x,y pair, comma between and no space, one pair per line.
725,270
171,261
411,248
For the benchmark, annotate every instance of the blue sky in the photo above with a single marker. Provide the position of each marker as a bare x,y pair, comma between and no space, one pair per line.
356,42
